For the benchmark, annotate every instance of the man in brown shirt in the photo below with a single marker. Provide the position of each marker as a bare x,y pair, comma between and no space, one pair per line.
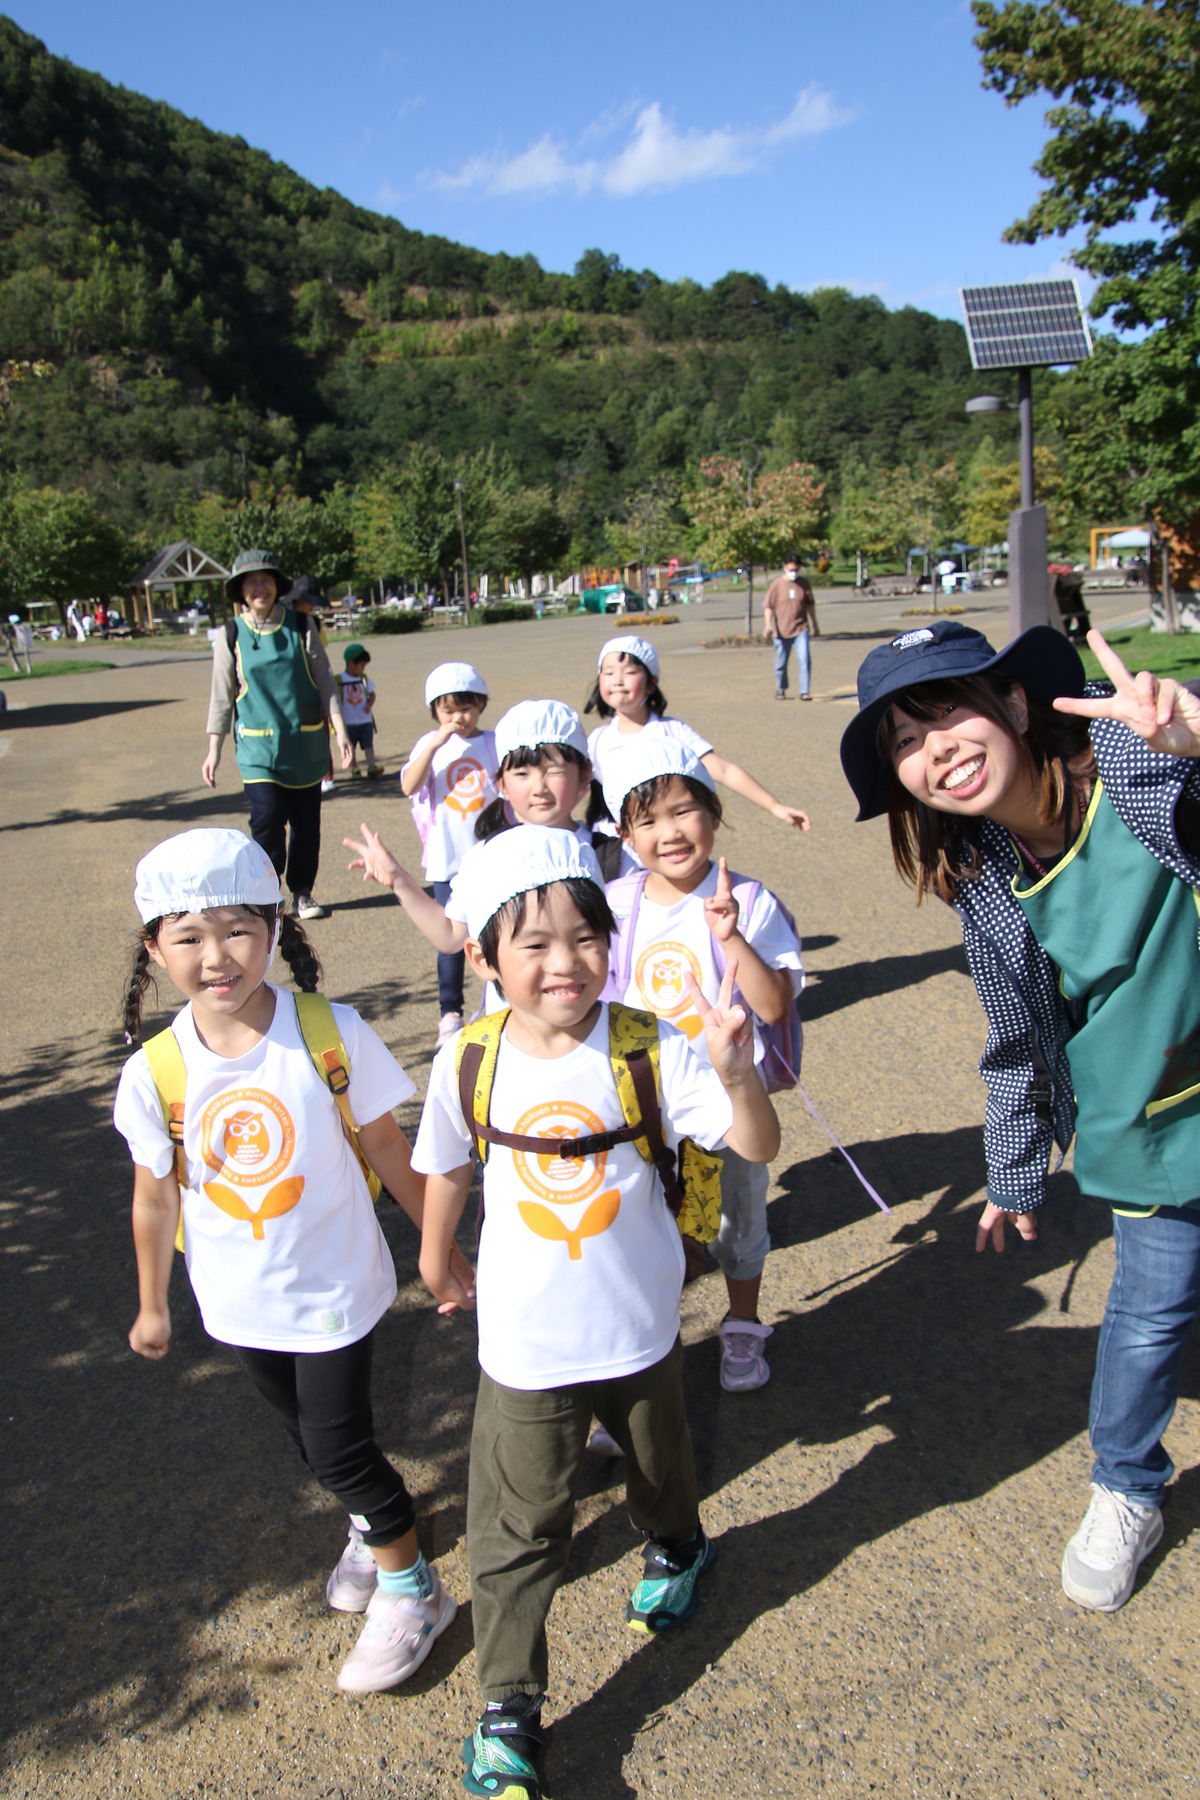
789,614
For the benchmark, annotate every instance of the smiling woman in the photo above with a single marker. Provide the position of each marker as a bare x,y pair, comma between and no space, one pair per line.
1063,825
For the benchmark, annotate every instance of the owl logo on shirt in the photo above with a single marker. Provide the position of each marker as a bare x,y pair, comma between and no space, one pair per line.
465,785
247,1139
659,975
565,1181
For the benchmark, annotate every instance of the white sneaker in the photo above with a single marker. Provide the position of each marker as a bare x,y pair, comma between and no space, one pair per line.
743,1365
328,786
601,1443
352,1583
308,908
1100,1564
397,1637
449,1026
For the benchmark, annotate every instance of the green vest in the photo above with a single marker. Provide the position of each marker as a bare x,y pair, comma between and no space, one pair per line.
1122,931
279,723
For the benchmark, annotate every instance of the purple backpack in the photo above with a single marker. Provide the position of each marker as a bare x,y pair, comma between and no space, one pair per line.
783,1044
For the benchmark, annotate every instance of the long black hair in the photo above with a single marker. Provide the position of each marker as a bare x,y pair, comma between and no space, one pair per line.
294,947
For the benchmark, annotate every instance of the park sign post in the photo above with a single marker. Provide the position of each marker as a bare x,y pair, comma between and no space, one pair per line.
1024,326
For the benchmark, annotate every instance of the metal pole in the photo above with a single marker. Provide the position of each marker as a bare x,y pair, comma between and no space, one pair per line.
462,531
1025,412
750,561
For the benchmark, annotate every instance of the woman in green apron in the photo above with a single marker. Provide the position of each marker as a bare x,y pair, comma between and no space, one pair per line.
1062,823
271,679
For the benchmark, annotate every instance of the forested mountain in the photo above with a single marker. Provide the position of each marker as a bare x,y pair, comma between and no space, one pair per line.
180,314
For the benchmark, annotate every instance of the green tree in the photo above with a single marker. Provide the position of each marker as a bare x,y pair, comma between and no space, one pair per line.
60,547
530,532
407,520
309,537
746,522
865,523
649,531
1122,155
994,492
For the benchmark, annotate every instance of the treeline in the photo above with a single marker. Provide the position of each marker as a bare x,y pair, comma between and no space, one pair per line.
183,316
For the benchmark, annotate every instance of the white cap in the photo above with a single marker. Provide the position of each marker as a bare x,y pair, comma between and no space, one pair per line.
198,869
630,646
646,758
515,861
453,678
534,722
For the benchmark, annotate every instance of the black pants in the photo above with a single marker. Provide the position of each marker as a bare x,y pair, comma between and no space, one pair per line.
324,1399
272,810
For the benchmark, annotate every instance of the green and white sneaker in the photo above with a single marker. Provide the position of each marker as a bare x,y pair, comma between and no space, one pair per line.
503,1752
666,1594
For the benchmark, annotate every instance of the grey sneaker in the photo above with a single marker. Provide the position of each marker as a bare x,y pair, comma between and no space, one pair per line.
398,1635
449,1026
743,1365
352,1583
308,908
1101,1562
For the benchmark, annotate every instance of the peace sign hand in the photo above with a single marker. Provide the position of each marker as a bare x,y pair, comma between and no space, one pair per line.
1161,711
721,913
728,1030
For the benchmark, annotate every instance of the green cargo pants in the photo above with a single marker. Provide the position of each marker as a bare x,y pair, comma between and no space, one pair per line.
526,1451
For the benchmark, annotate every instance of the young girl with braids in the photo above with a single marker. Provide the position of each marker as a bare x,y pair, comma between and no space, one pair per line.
283,1249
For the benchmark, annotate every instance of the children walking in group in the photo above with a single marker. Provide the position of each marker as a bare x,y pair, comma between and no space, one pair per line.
1071,853
682,921
242,1139
628,698
566,1099
449,778
358,709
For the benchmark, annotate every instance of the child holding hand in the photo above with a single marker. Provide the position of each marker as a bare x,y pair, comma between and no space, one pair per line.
283,1249
580,1261
681,921
449,779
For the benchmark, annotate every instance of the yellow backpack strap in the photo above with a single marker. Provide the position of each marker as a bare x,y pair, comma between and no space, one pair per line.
691,1182
628,1032
169,1074
323,1041
475,1055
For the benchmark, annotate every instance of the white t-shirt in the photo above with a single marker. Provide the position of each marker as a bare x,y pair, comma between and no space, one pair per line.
463,776
608,740
355,692
580,1262
670,941
282,1244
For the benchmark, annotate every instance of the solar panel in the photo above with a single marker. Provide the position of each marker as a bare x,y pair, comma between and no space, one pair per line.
1028,325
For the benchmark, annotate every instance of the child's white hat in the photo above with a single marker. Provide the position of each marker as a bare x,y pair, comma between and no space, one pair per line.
630,646
515,861
533,722
453,678
198,869
646,758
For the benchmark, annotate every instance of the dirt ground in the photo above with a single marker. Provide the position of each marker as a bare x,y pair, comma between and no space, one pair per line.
885,1614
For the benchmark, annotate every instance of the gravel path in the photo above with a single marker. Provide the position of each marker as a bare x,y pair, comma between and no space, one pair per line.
884,1616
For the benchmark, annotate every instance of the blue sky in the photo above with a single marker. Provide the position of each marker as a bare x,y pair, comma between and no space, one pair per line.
845,145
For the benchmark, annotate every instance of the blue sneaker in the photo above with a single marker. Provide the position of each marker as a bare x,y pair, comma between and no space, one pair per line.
502,1752
666,1594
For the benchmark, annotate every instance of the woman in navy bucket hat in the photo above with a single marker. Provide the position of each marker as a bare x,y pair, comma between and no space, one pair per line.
1062,822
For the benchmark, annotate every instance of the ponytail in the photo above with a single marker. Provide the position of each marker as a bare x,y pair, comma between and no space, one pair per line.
303,963
141,977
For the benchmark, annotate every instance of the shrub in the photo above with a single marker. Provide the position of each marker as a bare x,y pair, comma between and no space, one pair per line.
394,624
504,615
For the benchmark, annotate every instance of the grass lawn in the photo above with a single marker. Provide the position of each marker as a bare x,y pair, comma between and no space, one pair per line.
69,666
1141,648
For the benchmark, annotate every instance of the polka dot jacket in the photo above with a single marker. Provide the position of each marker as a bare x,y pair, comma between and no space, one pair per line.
1031,1101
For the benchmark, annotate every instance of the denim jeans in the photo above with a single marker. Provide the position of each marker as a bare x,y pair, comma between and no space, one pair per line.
1154,1298
451,969
783,650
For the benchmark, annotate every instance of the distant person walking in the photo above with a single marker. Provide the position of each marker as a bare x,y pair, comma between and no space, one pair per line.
789,615
271,679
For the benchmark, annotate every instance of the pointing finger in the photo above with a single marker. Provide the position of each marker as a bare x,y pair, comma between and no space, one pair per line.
1110,662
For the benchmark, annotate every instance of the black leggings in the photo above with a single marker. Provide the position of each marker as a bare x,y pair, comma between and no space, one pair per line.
324,1399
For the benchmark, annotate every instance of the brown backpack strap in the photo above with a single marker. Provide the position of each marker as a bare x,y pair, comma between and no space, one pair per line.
569,1149
468,1071
646,1089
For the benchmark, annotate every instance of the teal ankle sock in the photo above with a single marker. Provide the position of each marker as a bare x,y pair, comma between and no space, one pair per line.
415,1582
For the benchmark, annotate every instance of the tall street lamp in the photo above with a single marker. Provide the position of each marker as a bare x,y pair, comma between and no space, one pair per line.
462,532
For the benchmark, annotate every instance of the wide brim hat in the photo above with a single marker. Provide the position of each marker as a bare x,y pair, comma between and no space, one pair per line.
256,562
306,591
1041,659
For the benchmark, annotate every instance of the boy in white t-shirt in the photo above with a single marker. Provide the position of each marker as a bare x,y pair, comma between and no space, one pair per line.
580,1266
681,922
450,777
358,709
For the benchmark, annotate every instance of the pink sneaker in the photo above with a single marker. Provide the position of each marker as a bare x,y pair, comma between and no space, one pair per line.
352,1583
743,1365
397,1637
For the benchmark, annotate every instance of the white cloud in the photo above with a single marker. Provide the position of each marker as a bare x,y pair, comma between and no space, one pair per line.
657,156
